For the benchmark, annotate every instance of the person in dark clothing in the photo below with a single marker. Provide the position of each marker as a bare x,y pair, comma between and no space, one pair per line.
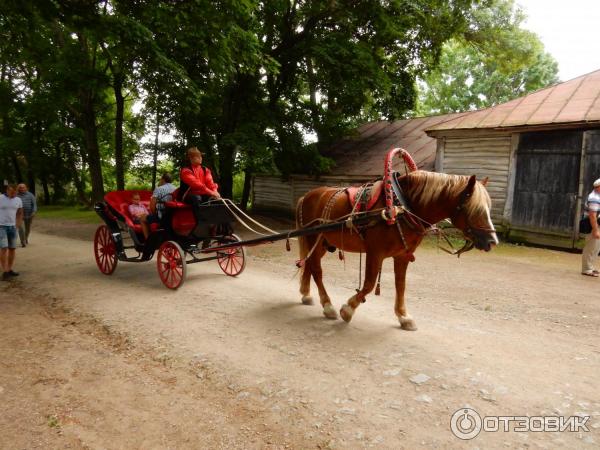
29,209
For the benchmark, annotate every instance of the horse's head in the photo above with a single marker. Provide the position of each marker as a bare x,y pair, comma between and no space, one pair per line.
471,215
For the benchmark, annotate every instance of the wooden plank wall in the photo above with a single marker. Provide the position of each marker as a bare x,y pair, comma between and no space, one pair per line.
271,193
484,157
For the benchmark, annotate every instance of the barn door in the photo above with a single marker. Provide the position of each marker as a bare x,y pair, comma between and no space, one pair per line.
592,161
547,181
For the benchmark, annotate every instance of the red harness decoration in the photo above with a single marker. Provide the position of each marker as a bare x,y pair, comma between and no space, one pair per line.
365,196
387,180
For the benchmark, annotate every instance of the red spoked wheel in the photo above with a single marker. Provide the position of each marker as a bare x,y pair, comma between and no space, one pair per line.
105,250
232,260
171,264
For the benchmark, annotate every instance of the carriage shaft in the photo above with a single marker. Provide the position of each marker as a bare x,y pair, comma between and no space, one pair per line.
357,220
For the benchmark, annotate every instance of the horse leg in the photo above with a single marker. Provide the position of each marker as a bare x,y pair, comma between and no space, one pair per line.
312,267
305,286
373,265
406,321
317,273
305,244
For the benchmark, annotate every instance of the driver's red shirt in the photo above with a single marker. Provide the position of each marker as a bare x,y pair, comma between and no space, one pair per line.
199,180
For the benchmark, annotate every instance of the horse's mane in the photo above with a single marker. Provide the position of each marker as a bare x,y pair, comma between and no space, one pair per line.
425,188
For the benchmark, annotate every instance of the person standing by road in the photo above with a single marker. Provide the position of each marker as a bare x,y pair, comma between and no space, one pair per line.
11,217
592,240
29,210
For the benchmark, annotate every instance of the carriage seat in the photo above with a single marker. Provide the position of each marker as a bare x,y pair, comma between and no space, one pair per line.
120,201
176,203
363,198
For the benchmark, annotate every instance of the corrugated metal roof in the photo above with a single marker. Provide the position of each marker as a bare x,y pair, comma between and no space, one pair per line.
364,153
574,101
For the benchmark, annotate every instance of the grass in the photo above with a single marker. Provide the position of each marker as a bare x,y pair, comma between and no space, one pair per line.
77,213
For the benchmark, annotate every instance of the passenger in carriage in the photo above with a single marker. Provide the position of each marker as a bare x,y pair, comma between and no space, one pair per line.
139,213
162,193
197,184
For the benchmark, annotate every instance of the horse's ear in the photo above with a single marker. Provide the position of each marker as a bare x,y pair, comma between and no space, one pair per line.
471,184
485,181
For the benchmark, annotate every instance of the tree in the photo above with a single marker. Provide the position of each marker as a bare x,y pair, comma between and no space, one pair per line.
246,80
275,70
494,62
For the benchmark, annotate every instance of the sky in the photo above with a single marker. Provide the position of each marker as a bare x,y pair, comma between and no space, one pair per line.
570,31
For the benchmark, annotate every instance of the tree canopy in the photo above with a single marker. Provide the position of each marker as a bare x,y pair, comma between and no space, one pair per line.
245,80
495,62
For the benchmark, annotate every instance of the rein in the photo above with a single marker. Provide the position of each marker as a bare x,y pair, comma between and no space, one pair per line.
469,244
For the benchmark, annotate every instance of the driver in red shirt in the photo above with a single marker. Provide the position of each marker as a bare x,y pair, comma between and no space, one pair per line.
197,187
197,180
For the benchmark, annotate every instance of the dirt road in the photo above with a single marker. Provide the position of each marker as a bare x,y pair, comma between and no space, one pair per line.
90,361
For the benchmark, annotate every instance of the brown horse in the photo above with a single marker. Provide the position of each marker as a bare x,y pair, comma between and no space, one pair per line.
431,197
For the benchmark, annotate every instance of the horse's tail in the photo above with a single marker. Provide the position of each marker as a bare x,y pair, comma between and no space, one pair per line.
302,240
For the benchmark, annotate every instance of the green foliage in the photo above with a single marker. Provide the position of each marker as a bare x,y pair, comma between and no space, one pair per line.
140,174
245,80
68,213
305,160
238,186
494,62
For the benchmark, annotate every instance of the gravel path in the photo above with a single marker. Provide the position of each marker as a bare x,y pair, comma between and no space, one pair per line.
91,361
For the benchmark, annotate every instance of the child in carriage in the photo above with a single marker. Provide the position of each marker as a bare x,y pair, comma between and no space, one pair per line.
139,213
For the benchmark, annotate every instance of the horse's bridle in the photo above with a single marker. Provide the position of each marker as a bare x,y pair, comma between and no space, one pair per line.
393,191
469,230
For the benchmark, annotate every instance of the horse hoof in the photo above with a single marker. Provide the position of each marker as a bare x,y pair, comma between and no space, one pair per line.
407,323
329,312
346,312
307,300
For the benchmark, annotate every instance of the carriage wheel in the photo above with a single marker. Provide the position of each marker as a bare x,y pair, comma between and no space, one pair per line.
171,264
105,250
232,260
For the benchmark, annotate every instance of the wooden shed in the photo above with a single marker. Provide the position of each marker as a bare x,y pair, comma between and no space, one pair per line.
541,153
358,159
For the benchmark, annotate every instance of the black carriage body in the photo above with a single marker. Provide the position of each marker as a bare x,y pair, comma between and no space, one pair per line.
214,220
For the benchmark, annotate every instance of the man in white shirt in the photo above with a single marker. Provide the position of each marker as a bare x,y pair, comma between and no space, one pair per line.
592,240
11,216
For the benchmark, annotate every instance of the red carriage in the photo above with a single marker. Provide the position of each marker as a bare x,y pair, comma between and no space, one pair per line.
178,239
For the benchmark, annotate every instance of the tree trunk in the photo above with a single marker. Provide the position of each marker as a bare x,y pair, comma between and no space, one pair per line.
31,159
226,153
90,131
247,188
155,155
7,130
76,180
44,181
208,150
15,162
30,178
120,105
58,179
231,113
314,106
